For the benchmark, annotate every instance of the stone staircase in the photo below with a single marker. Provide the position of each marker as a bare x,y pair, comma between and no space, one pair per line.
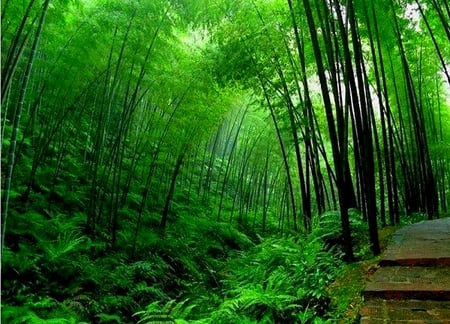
412,284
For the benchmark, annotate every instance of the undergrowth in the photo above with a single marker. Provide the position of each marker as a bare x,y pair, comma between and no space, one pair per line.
198,271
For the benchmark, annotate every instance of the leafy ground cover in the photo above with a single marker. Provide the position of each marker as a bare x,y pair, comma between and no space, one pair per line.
198,271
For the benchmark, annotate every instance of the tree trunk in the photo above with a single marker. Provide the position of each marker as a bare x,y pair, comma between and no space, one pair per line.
16,121
169,196
338,158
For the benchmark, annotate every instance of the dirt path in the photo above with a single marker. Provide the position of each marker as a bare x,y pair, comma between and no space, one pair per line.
412,284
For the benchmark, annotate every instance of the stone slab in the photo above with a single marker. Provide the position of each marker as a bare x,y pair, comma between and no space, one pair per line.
424,244
405,311
410,283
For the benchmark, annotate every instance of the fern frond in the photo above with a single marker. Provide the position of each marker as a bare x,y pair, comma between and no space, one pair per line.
24,314
107,318
66,243
171,312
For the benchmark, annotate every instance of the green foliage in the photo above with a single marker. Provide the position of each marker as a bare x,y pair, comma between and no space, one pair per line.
280,278
328,229
46,311
223,275
413,218
106,318
19,262
102,125
66,243
171,312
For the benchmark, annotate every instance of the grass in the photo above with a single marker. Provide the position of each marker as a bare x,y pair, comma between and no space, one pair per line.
346,290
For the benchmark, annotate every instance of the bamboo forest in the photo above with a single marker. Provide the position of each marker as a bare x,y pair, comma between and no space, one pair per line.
215,161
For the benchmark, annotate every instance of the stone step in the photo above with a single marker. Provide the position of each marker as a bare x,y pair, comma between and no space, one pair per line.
412,284
405,311
427,262
421,244
409,283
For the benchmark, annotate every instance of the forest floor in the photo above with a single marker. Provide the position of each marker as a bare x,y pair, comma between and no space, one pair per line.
348,287
209,273
413,278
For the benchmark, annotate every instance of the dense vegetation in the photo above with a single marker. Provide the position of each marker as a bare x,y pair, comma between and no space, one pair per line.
213,161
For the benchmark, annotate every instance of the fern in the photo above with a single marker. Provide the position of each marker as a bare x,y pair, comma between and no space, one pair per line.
279,279
106,318
142,292
26,314
66,243
62,223
23,223
171,312
21,261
